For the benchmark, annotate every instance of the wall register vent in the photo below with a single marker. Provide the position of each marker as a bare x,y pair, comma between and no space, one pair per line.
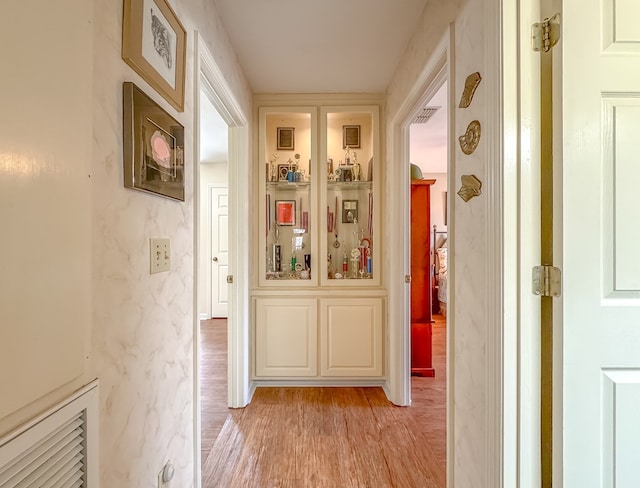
56,450
425,114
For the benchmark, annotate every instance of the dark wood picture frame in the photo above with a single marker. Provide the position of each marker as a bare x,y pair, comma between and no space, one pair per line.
153,146
349,211
351,136
286,139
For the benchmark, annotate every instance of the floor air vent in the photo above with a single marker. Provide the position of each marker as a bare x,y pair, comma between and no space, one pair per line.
55,451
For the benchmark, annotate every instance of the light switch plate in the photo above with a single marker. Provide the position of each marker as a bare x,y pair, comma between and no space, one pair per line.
160,254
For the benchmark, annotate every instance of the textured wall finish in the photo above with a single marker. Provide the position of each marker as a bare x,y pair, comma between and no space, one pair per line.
468,297
142,323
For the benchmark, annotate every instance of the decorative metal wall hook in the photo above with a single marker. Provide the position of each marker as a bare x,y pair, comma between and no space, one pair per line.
470,139
470,85
470,187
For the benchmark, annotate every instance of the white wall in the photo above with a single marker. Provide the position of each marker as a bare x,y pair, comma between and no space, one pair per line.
470,256
45,205
438,202
469,415
143,324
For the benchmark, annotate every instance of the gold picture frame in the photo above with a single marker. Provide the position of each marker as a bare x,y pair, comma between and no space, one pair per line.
154,45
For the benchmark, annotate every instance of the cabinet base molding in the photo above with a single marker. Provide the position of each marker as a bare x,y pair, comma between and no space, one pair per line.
258,383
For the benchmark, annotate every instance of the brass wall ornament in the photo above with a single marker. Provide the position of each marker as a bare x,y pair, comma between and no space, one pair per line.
470,187
470,85
469,141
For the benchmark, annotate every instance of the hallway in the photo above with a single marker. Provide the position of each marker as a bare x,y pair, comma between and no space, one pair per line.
297,436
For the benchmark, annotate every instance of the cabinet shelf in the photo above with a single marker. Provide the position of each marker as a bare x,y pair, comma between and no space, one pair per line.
288,185
347,185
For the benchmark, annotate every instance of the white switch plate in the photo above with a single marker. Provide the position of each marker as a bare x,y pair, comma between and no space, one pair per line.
160,254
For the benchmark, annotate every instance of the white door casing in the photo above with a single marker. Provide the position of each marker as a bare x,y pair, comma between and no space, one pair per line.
208,75
521,136
600,215
219,251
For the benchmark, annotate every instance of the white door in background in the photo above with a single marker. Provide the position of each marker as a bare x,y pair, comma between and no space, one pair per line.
219,251
601,243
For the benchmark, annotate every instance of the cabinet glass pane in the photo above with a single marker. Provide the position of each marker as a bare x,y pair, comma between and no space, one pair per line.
350,172
287,150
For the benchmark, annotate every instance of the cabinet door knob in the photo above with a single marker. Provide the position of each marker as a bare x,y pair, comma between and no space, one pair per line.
215,259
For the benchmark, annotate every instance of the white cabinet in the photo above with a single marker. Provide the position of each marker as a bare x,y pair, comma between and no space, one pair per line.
348,343
317,285
351,337
286,337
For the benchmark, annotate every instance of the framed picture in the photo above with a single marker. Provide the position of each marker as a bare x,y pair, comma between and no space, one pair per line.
153,146
286,212
349,211
283,171
351,136
154,45
286,139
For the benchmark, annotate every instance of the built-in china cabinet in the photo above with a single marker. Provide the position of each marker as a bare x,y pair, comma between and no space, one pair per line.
318,304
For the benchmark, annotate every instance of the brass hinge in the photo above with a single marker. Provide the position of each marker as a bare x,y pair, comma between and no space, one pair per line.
546,281
546,34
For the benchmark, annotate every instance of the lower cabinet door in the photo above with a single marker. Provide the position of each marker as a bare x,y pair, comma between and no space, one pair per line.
351,337
286,341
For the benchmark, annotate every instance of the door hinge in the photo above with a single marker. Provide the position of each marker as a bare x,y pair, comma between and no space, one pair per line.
546,281
229,278
546,34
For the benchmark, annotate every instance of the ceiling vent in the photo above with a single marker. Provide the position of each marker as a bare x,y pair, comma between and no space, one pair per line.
425,114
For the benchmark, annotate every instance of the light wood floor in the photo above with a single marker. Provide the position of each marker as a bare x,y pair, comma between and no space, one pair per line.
322,437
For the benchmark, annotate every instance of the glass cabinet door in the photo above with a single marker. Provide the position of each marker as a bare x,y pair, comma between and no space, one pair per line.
286,151
350,155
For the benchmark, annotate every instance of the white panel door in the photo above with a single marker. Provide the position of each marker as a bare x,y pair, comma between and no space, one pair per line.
219,251
351,337
286,339
601,236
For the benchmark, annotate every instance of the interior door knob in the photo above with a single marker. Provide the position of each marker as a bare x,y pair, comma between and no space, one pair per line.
215,259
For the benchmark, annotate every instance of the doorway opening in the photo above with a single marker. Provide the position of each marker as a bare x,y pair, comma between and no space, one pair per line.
428,156
220,217
213,269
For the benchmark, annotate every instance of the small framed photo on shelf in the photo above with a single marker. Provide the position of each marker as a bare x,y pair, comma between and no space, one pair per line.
285,212
349,211
286,139
351,136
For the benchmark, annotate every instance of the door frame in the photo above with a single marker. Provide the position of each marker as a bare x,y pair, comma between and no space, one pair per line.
207,72
497,238
438,69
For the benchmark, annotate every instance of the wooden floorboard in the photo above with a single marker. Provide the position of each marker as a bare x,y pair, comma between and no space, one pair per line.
329,437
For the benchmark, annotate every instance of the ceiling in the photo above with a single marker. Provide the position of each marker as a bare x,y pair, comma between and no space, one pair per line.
329,46
319,46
